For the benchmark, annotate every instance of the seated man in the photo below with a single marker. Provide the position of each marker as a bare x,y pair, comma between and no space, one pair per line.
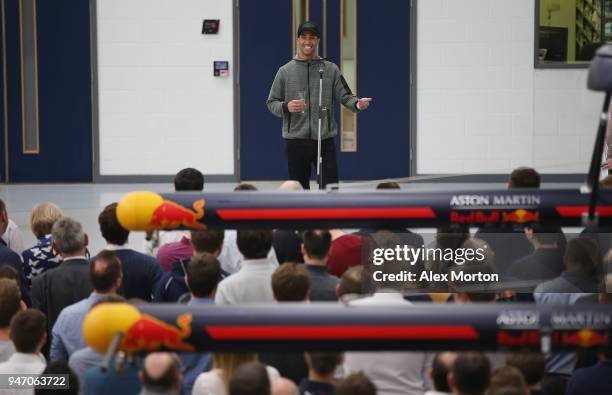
321,369
161,374
315,249
471,374
10,304
28,333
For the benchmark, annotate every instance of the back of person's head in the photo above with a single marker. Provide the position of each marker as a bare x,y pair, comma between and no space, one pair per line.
470,374
388,185
283,386
105,271
290,282
452,236
60,368
546,234
323,363
524,177
254,244
68,236
508,390
43,217
208,240
228,362
351,282
440,368
161,372
356,384
317,243
203,275
111,229
28,330
189,179
291,185
245,187
581,255
531,364
606,183
250,378
507,376
9,272
10,301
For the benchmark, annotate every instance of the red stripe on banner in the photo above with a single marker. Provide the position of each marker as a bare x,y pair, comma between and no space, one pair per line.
578,211
342,332
232,214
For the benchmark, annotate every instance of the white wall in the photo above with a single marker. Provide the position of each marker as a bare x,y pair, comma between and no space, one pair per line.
160,108
482,107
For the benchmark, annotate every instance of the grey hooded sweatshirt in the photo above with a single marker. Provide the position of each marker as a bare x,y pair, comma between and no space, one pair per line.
303,75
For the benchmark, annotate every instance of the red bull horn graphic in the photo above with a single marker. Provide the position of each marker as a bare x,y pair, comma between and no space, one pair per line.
585,338
521,216
170,215
148,333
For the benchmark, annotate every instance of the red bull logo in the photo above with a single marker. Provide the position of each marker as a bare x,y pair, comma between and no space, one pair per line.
525,338
475,217
148,333
585,338
170,215
521,216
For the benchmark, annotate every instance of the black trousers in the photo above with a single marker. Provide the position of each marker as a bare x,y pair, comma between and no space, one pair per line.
302,157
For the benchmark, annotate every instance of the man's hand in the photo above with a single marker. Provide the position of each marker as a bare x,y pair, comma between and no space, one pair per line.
296,105
607,165
364,103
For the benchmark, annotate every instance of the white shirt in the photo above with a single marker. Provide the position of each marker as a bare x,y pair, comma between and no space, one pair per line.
20,363
13,237
251,284
393,373
230,257
210,383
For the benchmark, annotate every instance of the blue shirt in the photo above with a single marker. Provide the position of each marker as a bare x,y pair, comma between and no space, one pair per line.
195,363
82,360
596,379
67,334
112,381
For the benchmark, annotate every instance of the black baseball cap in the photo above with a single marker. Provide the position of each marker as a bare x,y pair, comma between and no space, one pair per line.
308,26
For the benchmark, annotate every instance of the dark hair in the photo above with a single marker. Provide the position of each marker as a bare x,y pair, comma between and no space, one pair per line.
250,378
10,301
524,177
9,272
245,187
351,281
471,373
317,242
507,376
439,372
2,206
290,282
60,367
111,229
356,384
104,278
581,255
606,183
388,185
507,390
207,240
531,364
324,363
254,244
166,380
189,179
27,330
203,275
546,234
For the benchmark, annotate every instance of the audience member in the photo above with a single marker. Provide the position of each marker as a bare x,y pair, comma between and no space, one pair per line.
593,380
283,386
161,374
546,262
351,285
356,384
10,304
172,286
470,375
41,257
141,273
67,336
321,369
186,180
12,237
508,376
120,377
533,367
9,257
345,252
250,379
251,284
315,249
440,368
290,283
28,333
216,381
70,281
287,242
61,368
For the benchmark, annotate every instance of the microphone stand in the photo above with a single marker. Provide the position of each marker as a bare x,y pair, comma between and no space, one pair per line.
319,157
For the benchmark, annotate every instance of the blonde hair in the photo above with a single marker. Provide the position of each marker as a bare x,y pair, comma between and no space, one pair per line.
227,362
43,217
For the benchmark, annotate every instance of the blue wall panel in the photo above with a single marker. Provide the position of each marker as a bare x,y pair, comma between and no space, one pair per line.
64,94
265,45
383,74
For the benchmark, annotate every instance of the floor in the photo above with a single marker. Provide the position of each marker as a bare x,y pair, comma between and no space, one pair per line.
85,201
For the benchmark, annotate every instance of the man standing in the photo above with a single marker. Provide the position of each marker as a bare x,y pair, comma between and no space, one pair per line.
294,96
